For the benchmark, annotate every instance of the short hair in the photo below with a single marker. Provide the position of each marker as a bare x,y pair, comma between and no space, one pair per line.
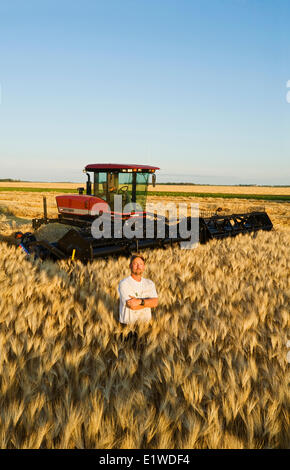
136,255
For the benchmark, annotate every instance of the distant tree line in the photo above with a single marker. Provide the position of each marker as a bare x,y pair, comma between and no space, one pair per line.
9,180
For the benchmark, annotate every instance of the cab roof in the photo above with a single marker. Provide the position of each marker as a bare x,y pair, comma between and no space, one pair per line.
118,166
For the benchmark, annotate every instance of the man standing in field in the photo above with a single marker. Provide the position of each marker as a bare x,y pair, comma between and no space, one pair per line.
137,294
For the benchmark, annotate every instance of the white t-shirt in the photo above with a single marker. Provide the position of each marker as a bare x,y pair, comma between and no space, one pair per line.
141,290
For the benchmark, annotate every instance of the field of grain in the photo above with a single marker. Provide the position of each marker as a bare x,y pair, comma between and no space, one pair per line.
274,190
18,208
209,371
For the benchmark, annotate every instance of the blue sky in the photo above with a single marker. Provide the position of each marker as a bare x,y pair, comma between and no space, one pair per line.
197,87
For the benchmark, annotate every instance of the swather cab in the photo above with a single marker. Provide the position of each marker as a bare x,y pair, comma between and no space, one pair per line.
129,181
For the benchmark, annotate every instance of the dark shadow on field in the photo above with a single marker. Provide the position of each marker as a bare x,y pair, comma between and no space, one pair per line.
14,222
18,220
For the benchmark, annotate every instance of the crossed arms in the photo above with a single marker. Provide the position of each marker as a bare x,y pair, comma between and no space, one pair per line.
134,304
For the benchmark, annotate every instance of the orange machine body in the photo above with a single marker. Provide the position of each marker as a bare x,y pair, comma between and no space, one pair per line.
77,204
82,205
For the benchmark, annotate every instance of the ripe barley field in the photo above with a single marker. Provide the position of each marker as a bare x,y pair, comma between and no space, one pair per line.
17,208
209,371
200,188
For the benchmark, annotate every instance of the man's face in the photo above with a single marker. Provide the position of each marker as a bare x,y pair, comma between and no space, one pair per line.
137,266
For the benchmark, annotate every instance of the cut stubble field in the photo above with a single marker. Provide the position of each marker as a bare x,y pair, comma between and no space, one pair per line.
209,371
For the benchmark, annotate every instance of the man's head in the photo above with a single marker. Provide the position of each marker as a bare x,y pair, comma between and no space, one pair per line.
137,264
